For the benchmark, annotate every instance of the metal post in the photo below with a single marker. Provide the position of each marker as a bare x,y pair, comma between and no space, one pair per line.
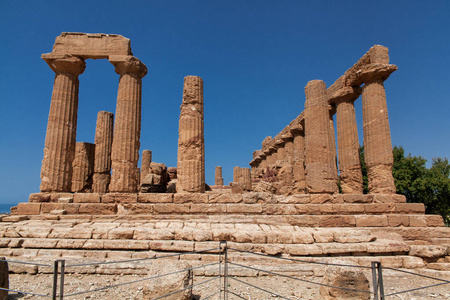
220,268
380,281
61,279
374,280
226,273
55,279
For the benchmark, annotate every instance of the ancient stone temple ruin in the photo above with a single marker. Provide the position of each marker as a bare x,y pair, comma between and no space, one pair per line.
288,203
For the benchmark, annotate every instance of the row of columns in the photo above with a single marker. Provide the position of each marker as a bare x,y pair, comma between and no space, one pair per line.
60,141
314,149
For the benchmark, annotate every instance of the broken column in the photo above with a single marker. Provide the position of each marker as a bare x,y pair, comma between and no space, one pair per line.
56,171
347,139
218,176
191,142
103,146
145,163
320,177
127,126
377,135
288,146
246,178
83,167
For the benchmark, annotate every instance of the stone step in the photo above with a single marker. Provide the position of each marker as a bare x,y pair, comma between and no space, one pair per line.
218,208
204,198
300,266
330,220
439,266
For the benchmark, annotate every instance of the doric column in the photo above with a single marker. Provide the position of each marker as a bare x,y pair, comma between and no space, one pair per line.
332,156
347,139
145,163
103,146
377,135
218,176
56,171
280,149
263,163
299,158
83,167
273,154
236,174
288,146
127,126
246,178
320,177
191,141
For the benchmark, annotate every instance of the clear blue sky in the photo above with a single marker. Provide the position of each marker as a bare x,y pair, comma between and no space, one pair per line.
255,58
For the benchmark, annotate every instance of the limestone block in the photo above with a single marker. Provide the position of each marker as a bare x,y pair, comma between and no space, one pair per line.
379,208
322,198
83,167
298,198
39,197
155,198
190,198
417,221
120,198
28,208
355,198
97,209
388,198
412,262
244,208
337,221
125,245
61,197
354,236
86,198
135,209
434,221
398,220
208,208
121,233
164,285
257,197
88,45
170,208
348,209
304,250
371,221
428,251
225,198
350,278
302,237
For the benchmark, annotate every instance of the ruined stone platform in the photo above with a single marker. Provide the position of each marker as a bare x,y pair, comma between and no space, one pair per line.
317,227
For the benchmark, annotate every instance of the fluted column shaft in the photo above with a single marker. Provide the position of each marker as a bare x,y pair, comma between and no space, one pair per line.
246,178
56,171
320,177
299,158
83,167
103,146
145,164
377,139
191,141
218,176
348,147
127,125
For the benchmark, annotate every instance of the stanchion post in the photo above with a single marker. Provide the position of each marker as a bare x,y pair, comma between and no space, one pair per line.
55,279
226,273
61,279
380,281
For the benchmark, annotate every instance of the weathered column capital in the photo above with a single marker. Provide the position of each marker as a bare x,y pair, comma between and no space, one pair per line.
287,137
128,65
64,63
297,129
371,73
279,143
346,94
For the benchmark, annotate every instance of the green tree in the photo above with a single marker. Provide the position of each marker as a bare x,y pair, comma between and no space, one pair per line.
418,183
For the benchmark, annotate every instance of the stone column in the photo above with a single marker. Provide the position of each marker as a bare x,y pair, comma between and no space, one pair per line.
145,163
348,144
237,175
299,158
191,141
332,156
127,126
288,146
83,167
377,135
218,176
103,146
320,177
56,171
280,151
246,178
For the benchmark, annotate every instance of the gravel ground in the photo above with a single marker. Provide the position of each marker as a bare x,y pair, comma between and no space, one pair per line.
288,288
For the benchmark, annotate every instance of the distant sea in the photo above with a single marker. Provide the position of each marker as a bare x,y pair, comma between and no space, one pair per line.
5,208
